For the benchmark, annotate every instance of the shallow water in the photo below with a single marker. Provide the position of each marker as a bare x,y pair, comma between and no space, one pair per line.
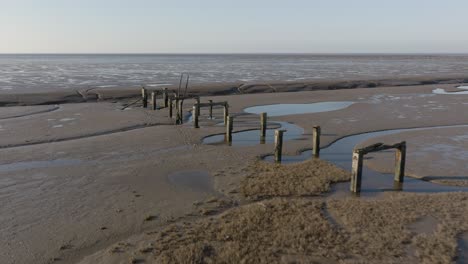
373,183
291,109
199,181
83,71
442,91
462,250
252,137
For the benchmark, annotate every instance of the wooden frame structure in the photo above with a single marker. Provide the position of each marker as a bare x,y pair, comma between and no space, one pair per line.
198,105
358,158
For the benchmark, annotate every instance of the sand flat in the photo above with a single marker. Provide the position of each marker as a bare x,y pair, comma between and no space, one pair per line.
120,179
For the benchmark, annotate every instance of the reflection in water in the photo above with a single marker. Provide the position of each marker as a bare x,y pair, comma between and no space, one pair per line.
291,109
252,137
340,153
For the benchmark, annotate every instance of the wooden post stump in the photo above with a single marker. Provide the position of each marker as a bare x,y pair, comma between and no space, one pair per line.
180,113
211,109
278,145
229,126
226,112
356,176
400,161
198,103
165,97
195,116
144,95
170,107
263,125
316,141
153,100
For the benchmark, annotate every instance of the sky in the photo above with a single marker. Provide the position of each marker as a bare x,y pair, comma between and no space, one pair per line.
233,26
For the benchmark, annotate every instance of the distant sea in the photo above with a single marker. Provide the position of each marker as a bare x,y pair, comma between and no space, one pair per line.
39,72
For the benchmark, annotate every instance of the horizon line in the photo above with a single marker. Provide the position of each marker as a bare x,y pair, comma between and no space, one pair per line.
235,53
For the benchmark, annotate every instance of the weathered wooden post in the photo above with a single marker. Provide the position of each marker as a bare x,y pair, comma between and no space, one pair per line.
316,141
226,112
153,100
170,107
198,104
400,161
180,113
195,116
356,176
165,97
229,126
144,95
278,145
211,109
263,125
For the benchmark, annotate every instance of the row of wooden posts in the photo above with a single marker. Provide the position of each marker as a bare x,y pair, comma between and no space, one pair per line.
177,102
358,154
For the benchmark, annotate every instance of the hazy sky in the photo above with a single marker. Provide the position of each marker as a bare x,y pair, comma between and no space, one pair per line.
222,26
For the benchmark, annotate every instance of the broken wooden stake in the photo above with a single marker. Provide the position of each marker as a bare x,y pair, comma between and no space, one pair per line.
153,100
165,97
316,141
195,116
211,109
400,160
278,145
180,113
263,125
229,126
356,174
170,107
226,112
144,95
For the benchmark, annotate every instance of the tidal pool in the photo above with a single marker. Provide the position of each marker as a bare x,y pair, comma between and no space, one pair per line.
252,137
373,182
292,109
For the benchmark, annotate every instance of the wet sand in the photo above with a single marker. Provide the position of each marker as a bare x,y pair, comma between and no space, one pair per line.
94,182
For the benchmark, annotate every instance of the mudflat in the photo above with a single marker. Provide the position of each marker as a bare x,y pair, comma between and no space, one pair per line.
93,182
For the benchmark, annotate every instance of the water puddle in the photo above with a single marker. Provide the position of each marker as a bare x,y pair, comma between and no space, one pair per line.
292,109
26,165
252,137
443,91
373,182
200,181
462,250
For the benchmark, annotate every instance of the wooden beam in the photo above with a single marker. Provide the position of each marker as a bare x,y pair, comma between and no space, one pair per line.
195,116
144,95
356,175
316,141
166,97
229,126
278,145
211,109
153,100
263,125
400,161
226,112
171,106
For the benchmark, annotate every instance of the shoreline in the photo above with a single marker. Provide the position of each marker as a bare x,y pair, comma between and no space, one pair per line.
215,89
